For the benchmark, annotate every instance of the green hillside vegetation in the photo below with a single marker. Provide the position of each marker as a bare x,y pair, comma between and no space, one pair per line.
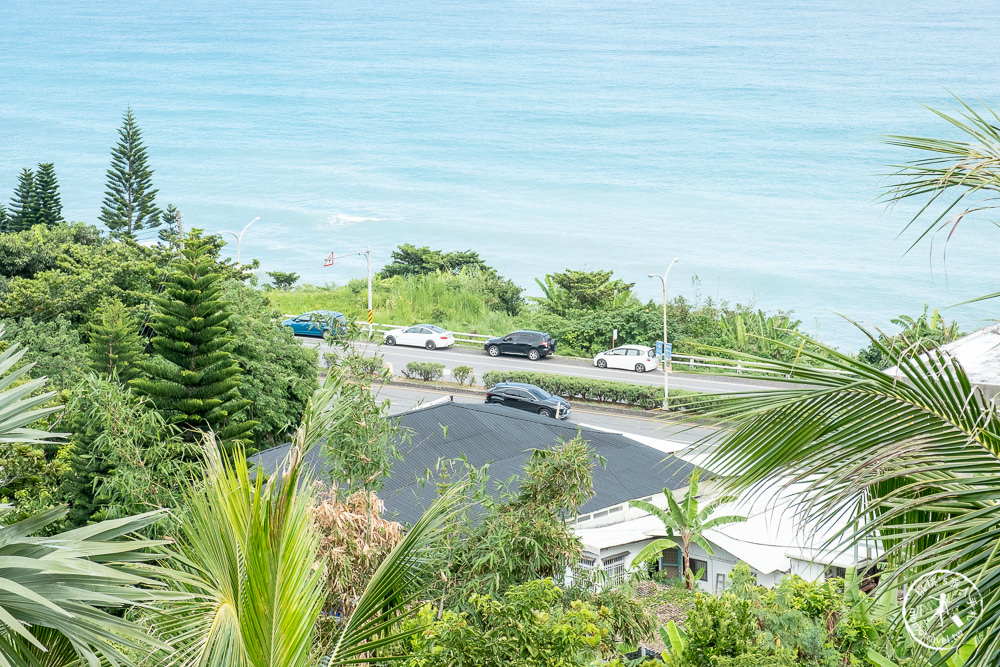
581,319
131,536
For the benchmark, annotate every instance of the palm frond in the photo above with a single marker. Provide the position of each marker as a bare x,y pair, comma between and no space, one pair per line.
18,407
960,177
249,565
911,458
59,592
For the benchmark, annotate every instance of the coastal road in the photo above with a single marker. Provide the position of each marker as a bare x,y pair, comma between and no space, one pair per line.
398,356
403,398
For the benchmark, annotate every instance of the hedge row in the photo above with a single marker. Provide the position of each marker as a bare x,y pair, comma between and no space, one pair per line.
603,391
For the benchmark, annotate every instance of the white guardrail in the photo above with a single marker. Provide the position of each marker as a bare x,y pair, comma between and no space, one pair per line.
688,362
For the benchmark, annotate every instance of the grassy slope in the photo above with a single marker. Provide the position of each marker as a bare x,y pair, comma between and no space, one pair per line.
451,303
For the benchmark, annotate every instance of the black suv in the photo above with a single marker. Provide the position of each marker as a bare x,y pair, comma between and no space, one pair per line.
528,397
532,344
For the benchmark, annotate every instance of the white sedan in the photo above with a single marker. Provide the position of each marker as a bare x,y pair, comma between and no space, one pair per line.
630,357
421,335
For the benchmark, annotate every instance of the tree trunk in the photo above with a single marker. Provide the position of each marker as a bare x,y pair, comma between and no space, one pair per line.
687,565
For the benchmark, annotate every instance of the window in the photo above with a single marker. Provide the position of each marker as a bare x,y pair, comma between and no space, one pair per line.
614,568
434,329
672,564
304,318
700,569
587,563
617,351
413,330
833,571
518,393
632,352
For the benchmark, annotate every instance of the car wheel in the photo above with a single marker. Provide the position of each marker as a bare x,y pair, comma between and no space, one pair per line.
390,340
640,368
494,350
533,354
602,363
544,412
324,334
430,345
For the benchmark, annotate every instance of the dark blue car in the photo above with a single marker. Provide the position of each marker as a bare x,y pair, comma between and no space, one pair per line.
319,323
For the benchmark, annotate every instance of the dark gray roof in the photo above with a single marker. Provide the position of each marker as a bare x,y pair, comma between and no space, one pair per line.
506,437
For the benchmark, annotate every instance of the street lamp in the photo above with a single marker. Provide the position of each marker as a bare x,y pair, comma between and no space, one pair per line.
666,374
239,239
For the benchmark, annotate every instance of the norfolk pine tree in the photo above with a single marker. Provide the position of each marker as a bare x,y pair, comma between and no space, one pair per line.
22,205
130,199
4,220
115,349
47,204
193,379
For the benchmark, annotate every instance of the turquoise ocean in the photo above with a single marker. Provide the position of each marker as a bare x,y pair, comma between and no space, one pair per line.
739,136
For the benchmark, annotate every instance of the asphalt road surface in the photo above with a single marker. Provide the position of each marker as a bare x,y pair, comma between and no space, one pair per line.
398,356
403,398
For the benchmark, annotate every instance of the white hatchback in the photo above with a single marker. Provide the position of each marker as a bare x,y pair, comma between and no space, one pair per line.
420,335
630,357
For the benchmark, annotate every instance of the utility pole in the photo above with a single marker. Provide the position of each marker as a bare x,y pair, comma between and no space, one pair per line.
368,253
666,372
180,230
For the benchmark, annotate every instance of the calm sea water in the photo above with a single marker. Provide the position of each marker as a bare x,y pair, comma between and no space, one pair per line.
740,136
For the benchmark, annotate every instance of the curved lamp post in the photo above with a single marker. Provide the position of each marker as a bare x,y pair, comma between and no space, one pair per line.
239,239
666,374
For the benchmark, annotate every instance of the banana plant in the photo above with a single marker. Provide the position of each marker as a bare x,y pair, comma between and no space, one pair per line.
685,522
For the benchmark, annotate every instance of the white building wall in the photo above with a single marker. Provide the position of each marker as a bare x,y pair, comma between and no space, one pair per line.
719,565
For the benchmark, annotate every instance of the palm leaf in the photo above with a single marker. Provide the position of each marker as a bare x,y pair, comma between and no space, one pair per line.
18,407
958,176
249,555
912,461
55,592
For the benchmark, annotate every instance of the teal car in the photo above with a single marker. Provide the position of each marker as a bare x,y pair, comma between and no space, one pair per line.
318,323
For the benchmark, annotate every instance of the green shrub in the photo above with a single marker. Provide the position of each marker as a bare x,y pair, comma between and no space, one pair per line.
601,391
463,373
425,370
528,625
719,627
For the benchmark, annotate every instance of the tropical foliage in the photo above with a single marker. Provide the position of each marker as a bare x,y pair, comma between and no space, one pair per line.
523,534
528,625
194,379
917,334
125,459
685,525
247,554
57,588
571,290
910,459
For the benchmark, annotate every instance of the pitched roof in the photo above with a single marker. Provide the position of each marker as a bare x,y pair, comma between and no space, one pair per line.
506,437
